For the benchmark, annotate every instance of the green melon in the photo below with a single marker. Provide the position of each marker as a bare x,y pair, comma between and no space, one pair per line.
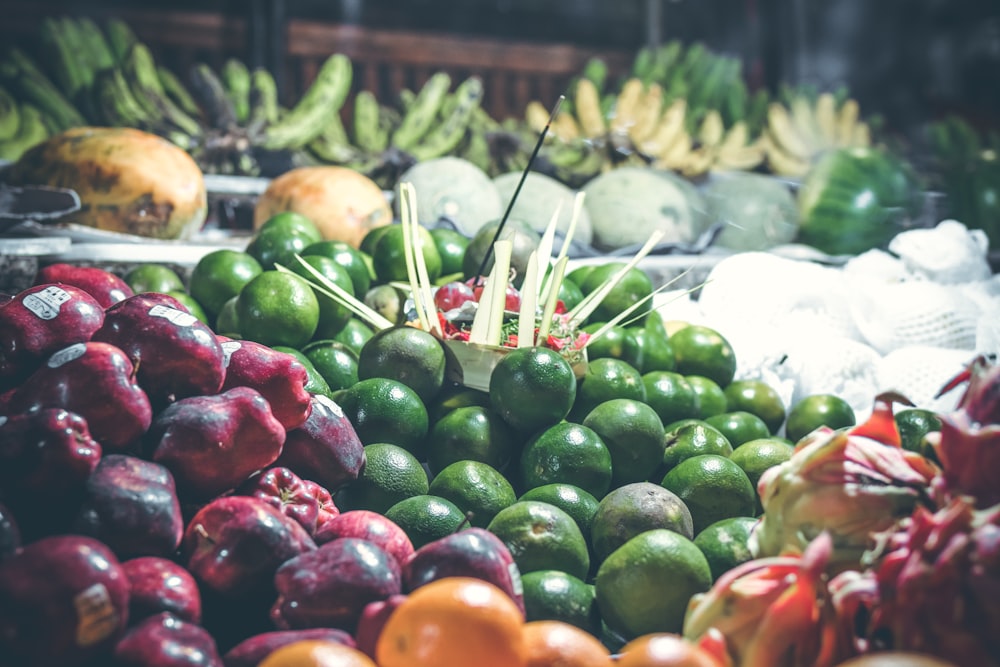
758,212
627,204
537,201
452,187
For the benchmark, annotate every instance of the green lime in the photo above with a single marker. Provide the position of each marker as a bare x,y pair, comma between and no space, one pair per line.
354,334
569,294
425,518
333,314
219,276
277,308
701,350
811,412
631,289
570,499
384,410
389,301
405,354
451,247
554,595
189,302
739,426
476,488
336,362
290,222
656,351
389,255
541,536
633,434
316,383
691,437
616,343
713,488
277,246
759,398
153,278
531,388
670,395
914,424
606,379
633,509
757,456
579,275
390,474
367,245
568,453
453,396
226,322
473,432
645,585
726,544
711,397
349,258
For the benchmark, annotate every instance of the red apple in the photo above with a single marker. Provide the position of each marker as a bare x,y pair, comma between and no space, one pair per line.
159,585
512,300
251,651
48,452
373,618
371,526
325,449
282,489
107,288
167,641
452,295
278,376
327,508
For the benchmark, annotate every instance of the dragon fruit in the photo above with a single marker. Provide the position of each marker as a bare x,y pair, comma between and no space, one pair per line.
771,612
851,483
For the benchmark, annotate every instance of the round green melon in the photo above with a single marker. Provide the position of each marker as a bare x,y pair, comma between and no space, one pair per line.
455,188
628,204
758,212
537,201
856,199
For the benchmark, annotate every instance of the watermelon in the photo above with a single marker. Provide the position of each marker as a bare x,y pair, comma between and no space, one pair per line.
454,188
537,201
758,212
856,199
628,204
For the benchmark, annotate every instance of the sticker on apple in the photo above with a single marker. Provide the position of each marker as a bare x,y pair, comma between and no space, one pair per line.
178,317
96,616
229,348
330,404
67,354
45,303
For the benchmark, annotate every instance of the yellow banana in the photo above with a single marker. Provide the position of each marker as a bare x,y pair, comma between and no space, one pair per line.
847,118
647,114
826,119
784,134
741,159
712,131
674,156
862,136
805,124
565,127
667,130
736,137
698,162
781,162
626,106
536,115
587,103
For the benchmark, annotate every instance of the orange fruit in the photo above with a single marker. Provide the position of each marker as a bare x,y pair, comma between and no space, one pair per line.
663,649
316,653
454,622
559,644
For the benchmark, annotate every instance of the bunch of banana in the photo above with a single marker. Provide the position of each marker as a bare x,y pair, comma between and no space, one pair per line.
804,127
22,125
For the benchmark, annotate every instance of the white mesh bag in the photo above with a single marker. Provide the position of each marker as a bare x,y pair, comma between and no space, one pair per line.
877,265
948,253
918,372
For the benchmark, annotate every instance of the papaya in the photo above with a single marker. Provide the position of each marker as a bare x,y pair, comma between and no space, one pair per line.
128,180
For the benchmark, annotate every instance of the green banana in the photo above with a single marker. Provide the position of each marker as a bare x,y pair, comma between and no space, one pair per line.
448,134
67,68
140,71
10,115
476,149
421,114
483,121
756,115
406,98
263,99
325,96
120,38
95,44
368,136
596,69
115,99
208,88
664,61
28,83
79,48
177,92
578,173
236,79
642,64
332,144
31,130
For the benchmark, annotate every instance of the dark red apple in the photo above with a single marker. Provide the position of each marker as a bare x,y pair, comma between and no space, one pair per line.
512,297
96,381
278,376
371,526
159,585
251,651
167,641
234,545
176,354
39,321
330,586
103,285
48,452
10,534
472,552
212,444
373,618
283,489
452,295
63,601
131,505
325,449
327,508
